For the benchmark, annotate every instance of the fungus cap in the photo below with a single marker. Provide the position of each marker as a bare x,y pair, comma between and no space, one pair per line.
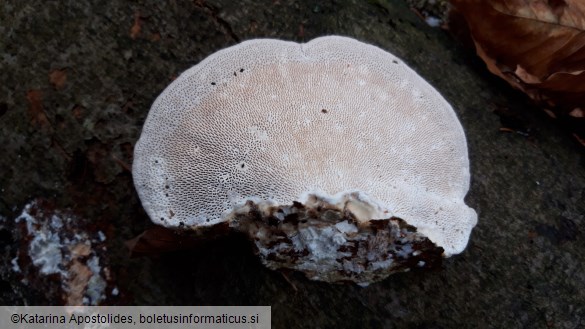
276,122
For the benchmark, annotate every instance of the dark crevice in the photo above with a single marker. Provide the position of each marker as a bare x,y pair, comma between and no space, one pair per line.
213,12
3,109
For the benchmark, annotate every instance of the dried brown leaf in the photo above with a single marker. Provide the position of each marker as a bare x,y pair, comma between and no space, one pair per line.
155,36
58,78
136,27
538,46
78,112
36,110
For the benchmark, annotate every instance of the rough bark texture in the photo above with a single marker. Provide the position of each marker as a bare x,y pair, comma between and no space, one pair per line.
77,81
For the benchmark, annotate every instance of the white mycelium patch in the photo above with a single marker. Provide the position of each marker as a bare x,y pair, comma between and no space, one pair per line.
272,121
53,247
328,242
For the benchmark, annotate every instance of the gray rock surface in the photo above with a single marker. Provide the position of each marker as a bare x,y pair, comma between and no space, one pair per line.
77,81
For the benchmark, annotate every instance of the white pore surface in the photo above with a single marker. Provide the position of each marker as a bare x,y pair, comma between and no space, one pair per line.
274,121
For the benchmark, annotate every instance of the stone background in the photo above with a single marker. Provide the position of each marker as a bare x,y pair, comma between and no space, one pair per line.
77,79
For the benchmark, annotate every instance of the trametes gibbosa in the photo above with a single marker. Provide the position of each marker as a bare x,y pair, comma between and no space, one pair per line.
333,156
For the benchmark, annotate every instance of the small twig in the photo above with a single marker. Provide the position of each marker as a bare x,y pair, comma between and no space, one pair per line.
289,281
122,164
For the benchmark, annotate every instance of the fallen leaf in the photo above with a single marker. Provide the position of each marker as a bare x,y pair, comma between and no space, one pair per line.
36,110
77,112
253,26
155,36
136,27
99,155
58,78
537,46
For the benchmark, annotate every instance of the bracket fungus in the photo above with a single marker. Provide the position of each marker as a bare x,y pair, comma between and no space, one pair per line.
333,156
